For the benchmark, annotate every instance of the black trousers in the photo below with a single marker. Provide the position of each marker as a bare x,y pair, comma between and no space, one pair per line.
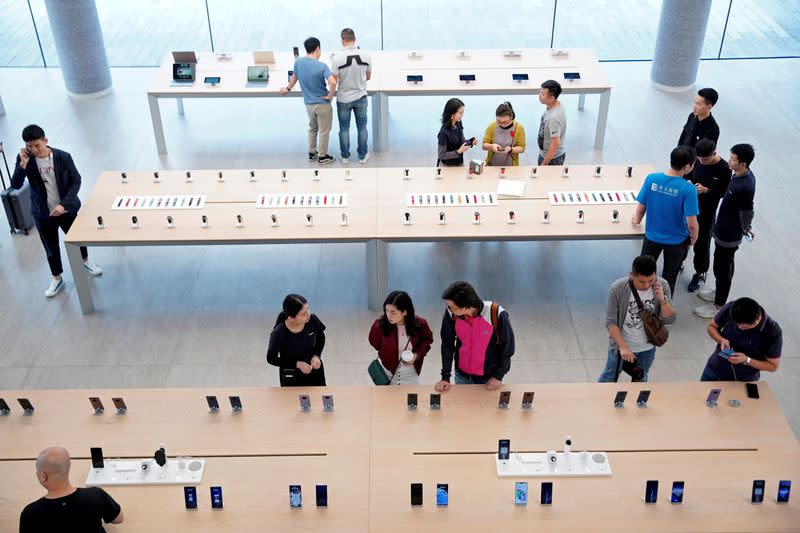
723,272
48,233
674,254
702,248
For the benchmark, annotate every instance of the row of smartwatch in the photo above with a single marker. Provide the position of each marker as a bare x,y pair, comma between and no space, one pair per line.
295,497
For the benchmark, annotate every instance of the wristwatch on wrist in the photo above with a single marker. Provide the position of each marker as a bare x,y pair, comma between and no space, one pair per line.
747,362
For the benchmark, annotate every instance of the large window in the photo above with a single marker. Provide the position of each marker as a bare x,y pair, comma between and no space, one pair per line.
143,32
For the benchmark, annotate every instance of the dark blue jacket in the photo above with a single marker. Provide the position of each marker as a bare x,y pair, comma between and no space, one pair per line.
736,211
68,181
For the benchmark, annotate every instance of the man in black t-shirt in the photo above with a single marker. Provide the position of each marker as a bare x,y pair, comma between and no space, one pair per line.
700,124
711,177
64,507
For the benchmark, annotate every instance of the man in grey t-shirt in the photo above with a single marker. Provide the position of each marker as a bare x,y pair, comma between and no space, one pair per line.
553,126
352,68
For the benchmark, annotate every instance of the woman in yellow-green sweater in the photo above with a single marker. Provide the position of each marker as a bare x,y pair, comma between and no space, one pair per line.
504,138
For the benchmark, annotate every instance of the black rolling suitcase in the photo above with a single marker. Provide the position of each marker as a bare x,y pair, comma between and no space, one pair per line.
17,202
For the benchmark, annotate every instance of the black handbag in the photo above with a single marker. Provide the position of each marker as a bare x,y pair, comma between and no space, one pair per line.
632,369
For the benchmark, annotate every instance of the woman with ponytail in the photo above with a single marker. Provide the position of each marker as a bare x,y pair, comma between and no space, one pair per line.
504,138
296,343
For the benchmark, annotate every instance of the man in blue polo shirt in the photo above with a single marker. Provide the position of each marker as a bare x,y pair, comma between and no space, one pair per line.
313,75
671,206
755,340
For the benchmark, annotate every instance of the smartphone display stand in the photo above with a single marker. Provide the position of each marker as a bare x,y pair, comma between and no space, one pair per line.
615,216
442,220
170,223
512,218
565,172
711,403
203,222
344,221
598,172
476,219
239,221
347,176
407,219
534,173
124,176
554,464
135,224
178,471
188,176
406,174
122,410
309,220
221,178
581,217
546,217
100,224
438,174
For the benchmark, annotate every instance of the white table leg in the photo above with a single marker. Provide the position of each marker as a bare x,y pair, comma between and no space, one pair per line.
2,109
602,118
581,101
380,122
158,127
81,278
180,106
377,273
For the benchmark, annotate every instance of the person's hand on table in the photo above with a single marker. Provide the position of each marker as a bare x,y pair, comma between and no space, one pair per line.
442,386
284,91
493,384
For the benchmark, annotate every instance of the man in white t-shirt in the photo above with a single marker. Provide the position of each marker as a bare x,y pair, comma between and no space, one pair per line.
352,68
627,339
54,185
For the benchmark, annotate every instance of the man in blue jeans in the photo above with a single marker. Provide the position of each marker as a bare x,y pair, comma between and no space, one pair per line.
626,336
352,68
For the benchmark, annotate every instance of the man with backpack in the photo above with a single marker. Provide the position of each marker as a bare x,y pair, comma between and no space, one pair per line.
476,334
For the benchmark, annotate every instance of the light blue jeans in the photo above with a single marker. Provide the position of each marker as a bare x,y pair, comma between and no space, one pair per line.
644,359
359,108
461,379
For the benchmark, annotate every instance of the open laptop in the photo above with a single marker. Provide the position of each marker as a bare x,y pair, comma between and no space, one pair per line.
183,73
263,58
257,76
184,57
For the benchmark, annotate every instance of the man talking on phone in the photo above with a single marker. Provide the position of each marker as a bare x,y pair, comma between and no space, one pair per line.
54,183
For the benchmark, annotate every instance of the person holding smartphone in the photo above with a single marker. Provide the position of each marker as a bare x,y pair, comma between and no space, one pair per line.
627,339
65,507
504,138
296,344
54,184
402,339
452,144
748,342
477,336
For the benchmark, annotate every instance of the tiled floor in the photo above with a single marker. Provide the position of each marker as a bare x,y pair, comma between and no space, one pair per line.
200,316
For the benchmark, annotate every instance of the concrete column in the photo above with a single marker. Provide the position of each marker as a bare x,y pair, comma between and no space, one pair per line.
81,50
681,31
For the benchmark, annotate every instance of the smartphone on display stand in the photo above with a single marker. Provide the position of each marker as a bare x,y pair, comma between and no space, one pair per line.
752,391
289,75
322,495
527,400
642,399
416,494
4,408
216,497
213,404
27,406
327,403
547,493
521,493
784,489
295,496
757,495
97,405
677,492
119,403
436,401
442,495
505,399
503,449
619,399
411,401
651,491
519,77
97,457
305,403
713,396
572,76
236,403
190,497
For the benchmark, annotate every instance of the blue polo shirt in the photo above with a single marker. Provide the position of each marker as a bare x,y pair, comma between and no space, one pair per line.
312,75
760,342
668,200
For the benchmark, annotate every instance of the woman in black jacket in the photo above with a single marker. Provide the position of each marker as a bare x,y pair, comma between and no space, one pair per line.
296,343
452,144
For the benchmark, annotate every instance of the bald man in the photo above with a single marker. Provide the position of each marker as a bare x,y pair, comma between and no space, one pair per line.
64,507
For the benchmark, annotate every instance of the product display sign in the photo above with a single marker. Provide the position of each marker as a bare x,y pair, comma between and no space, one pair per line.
316,199
592,197
451,199
180,201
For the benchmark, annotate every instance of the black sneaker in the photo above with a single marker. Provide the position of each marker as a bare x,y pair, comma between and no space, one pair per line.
325,159
312,156
697,280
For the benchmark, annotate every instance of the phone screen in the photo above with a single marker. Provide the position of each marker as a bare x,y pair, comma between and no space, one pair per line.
442,494
305,402
322,495
503,449
327,402
190,497
784,488
213,404
97,404
619,399
412,400
216,497
643,397
25,404
236,403
572,75
97,457
713,396
527,400
414,78
519,77
436,401
119,403
4,408
295,496
752,390
505,397
521,493
651,491
466,77
758,491
211,79
727,353
547,493
677,492
416,494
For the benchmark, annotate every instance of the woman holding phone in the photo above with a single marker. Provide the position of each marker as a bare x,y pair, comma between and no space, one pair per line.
504,138
296,343
452,143
401,338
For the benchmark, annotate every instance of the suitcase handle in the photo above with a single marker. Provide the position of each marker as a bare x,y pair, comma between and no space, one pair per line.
6,162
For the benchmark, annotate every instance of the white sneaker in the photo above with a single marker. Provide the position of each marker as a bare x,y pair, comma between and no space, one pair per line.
92,268
366,158
707,294
55,287
345,160
706,311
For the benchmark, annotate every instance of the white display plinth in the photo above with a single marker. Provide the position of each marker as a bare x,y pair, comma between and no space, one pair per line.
130,472
541,465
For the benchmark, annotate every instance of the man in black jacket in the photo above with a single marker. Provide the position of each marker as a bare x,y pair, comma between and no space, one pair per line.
733,223
54,183
700,124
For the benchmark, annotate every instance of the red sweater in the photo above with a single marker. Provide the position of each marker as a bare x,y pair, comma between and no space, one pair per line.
388,349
